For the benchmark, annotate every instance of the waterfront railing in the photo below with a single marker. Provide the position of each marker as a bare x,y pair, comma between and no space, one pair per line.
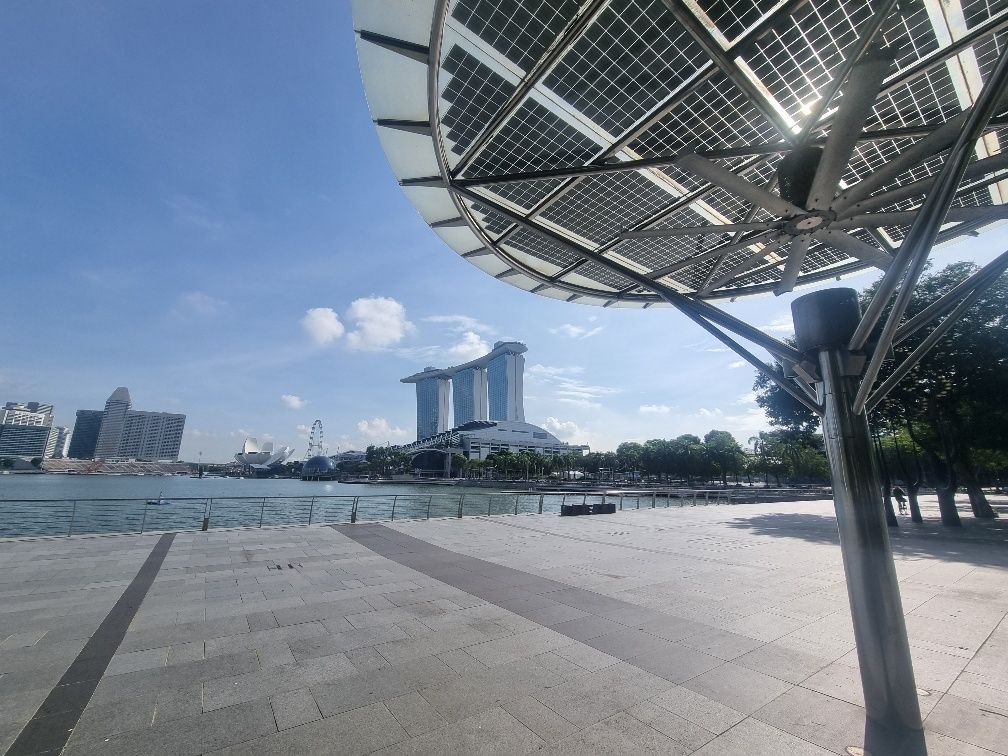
67,517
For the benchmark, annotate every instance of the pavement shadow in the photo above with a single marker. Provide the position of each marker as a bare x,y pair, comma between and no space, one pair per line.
980,542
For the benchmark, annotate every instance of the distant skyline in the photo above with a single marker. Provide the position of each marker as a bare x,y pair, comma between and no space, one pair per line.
195,204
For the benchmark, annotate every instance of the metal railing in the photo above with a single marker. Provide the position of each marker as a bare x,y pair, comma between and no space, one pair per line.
66,517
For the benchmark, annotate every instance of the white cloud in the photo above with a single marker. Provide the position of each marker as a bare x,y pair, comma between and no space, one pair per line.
569,389
737,364
379,429
197,304
655,409
322,324
783,325
293,401
379,322
565,430
579,402
548,372
749,398
471,347
459,323
575,332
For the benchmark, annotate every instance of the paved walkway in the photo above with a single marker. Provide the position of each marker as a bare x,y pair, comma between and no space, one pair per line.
720,630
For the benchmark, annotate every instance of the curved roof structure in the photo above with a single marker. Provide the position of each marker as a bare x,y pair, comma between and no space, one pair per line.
622,152
501,347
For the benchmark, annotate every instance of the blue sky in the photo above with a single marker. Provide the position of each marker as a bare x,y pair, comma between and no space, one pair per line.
181,183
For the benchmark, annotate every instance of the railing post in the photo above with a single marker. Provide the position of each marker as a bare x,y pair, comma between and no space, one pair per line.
653,499
428,506
143,522
262,511
516,503
461,502
353,510
621,502
394,500
489,504
73,516
541,501
311,509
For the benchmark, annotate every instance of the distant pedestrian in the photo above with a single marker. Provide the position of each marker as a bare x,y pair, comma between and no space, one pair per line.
900,499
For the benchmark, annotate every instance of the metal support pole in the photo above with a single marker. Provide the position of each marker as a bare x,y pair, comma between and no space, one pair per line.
143,522
262,511
824,322
311,509
461,503
489,504
394,500
73,516
652,500
541,503
353,510
428,506
516,503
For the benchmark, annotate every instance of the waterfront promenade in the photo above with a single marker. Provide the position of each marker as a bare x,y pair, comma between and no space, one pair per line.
709,630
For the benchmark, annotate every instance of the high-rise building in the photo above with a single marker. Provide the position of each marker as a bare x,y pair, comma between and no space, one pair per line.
57,445
505,373
492,382
25,429
113,422
123,433
432,403
29,413
151,435
84,438
469,395
23,440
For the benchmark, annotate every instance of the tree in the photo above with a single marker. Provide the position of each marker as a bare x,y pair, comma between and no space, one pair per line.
724,453
951,403
629,455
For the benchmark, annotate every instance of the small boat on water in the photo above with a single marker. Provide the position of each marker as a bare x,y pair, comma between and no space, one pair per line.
160,500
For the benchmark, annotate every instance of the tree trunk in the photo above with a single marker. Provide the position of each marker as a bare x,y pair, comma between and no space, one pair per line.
915,513
977,498
890,514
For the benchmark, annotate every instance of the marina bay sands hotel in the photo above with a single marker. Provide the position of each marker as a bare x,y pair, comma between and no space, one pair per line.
488,388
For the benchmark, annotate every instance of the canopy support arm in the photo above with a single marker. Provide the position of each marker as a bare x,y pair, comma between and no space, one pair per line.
729,322
935,336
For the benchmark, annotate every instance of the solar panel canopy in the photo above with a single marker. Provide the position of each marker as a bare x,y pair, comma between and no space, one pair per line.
601,151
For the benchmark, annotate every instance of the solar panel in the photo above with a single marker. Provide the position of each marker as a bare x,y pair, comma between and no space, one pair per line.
597,146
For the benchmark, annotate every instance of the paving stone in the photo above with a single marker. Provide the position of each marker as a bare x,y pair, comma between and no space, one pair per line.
539,718
357,690
754,738
294,707
978,724
787,664
695,707
131,661
228,691
188,735
414,713
591,697
493,731
619,734
738,687
827,722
